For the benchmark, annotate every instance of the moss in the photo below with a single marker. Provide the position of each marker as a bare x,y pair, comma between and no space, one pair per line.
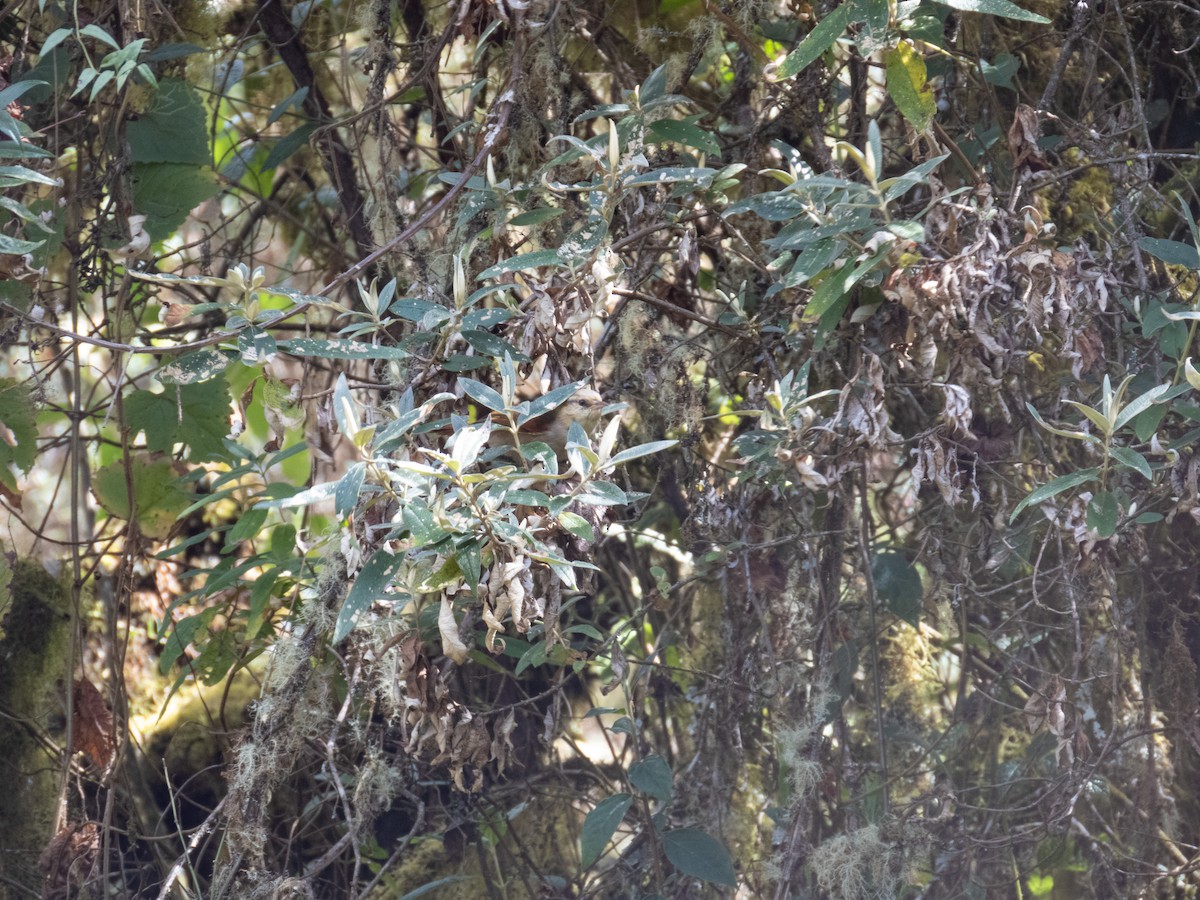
532,841
1088,207
190,742
33,674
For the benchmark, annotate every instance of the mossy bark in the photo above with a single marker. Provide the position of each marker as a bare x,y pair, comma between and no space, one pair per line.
34,654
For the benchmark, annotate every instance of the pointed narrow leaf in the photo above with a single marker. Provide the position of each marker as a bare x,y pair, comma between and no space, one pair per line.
906,82
339,349
482,394
1131,459
469,442
687,134
898,585
652,776
345,493
1103,513
1095,416
1139,405
532,260
640,450
1001,8
1055,486
837,285
695,853
817,41
1061,432
369,586
1173,253
1190,373
601,824
548,401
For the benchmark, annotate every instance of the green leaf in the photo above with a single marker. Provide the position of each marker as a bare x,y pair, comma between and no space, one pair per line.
654,86
18,429
296,99
168,52
256,346
14,176
17,247
547,402
1102,513
576,525
191,368
1061,432
1095,416
601,824
339,349
1147,423
698,176
438,883
1139,405
490,345
838,284
533,657
56,37
158,495
812,260
24,212
183,634
10,150
845,665
537,216
685,133
532,260
652,776
1001,72
247,527
695,853
817,41
345,494
906,82
260,595
166,192
590,631
470,562
1001,8
369,586
196,415
283,541
527,497
1172,252
290,498
603,493
461,362
898,584
1131,459
288,145
173,129
901,184
95,31
640,450
482,394
1055,486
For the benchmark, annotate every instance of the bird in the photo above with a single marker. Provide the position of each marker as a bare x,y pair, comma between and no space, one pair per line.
553,428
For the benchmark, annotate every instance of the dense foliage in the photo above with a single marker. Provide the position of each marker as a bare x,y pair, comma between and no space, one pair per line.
874,578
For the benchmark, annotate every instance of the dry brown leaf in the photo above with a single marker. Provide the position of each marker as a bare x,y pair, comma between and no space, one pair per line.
93,731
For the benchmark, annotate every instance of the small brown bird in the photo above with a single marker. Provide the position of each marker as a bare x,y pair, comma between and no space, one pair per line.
583,406
552,427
